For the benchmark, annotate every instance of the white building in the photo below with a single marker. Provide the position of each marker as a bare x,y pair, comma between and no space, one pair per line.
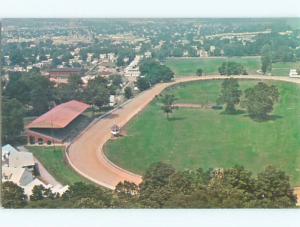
21,159
132,71
19,176
7,150
293,73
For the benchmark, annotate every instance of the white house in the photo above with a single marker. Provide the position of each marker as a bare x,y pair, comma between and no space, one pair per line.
21,160
293,73
7,150
19,176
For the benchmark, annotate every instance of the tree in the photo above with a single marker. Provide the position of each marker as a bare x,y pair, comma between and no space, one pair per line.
273,190
81,195
39,192
12,119
232,68
142,83
155,72
13,196
97,92
199,72
153,190
266,59
128,92
230,94
259,100
168,103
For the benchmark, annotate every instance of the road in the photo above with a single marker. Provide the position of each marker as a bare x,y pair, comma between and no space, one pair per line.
86,155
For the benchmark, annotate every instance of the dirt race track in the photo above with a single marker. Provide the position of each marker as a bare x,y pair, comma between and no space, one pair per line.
85,154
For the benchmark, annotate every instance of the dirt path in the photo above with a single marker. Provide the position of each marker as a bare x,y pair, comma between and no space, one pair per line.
85,154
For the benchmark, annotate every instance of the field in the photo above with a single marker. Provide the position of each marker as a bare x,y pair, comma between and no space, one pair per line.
188,66
54,162
205,138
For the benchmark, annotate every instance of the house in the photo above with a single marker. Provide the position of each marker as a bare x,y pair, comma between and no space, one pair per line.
21,160
132,71
20,176
293,73
7,150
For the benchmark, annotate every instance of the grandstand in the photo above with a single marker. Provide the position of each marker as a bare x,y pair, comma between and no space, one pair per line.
59,125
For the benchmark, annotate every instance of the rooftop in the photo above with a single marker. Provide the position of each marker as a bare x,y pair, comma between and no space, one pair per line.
60,116
21,159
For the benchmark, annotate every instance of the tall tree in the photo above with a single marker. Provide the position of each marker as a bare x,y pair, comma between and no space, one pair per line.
273,190
266,59
12,195
128,92
230,94
167,101
97,92
12,119
259,100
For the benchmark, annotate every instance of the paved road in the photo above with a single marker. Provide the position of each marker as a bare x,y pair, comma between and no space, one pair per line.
86,155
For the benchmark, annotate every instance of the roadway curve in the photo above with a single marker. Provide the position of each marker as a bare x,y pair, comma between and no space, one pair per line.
85,154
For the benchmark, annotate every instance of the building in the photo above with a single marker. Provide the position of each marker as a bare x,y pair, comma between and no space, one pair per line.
58,125
293,73
132,71
61,75
6,151
20,176
21,159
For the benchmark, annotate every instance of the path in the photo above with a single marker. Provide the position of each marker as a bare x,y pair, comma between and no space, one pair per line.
85,154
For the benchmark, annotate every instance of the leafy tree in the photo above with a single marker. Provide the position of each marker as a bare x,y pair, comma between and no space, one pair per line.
128,92
232,68
81,195
259,100
155,72
266,59
167,101
39,192
97,92
230,94
273,190
12,119
199,72
116,80
12,195
153,192
142,83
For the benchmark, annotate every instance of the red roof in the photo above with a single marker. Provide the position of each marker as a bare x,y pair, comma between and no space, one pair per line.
60,116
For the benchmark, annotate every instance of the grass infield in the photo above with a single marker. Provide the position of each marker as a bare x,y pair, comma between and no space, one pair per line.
205,138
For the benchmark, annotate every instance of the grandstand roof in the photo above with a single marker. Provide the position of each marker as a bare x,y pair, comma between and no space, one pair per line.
60,116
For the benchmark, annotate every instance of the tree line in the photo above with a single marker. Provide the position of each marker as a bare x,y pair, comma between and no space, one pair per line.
165,187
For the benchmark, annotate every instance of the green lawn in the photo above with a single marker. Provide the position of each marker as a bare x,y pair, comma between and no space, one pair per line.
188,66
54,162
207,138
283,68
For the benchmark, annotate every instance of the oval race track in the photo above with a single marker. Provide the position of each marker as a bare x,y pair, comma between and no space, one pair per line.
85,154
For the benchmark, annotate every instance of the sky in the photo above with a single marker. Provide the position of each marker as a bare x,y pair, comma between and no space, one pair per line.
149,8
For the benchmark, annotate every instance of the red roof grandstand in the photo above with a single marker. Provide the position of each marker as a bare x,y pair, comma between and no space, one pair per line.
60,116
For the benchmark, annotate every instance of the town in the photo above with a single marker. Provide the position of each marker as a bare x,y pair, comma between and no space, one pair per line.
81,101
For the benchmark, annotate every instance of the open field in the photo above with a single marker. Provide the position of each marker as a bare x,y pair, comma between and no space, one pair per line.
207,138
188,66
54,162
